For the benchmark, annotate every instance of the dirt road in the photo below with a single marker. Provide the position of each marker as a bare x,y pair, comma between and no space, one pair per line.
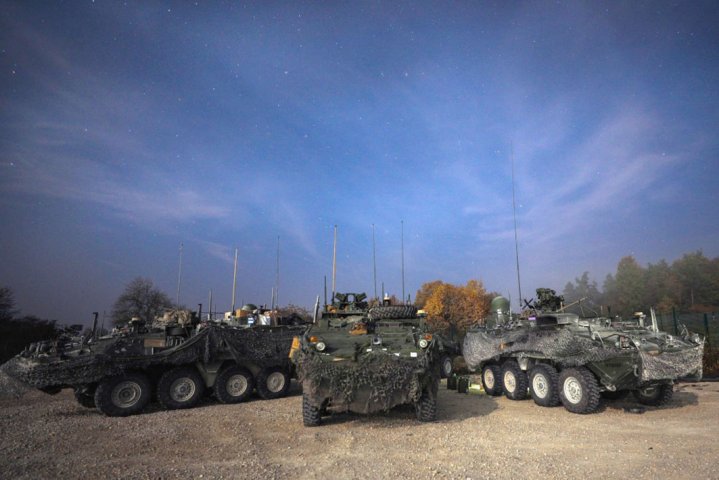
475,437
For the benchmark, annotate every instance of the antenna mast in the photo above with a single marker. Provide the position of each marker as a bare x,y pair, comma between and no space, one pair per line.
179,276
516,242
334,265
234,283
403,297
276,302
374,262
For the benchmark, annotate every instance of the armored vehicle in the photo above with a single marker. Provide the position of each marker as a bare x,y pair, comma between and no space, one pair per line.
559,357
177,360
366,361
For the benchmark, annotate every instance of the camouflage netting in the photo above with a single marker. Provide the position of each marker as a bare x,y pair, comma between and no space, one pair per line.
264,346
374,383
672,365
567,349
183,318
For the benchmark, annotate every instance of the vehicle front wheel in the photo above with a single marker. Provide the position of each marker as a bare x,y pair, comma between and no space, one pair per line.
579,390
514,381
311,415
123,395
85,395
655,395
491,380
543,385
273,383
234,384
446,366
426,408
181,387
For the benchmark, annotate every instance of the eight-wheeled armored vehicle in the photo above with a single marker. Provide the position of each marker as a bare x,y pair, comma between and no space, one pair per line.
365,361
559,357
177,361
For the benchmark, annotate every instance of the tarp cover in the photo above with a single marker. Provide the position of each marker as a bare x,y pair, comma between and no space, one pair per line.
374,383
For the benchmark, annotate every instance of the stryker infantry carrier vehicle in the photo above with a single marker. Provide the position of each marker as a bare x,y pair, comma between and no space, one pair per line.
179,359
559,357
367,360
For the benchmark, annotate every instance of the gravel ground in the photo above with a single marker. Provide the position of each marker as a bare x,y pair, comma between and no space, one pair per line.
475,437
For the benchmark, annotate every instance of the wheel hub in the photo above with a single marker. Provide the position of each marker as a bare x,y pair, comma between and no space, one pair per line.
182,389
275,382
510,383
540,385
489,378
237,385
572,390
126,394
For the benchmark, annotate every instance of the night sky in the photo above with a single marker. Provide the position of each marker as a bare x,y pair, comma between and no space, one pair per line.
127,128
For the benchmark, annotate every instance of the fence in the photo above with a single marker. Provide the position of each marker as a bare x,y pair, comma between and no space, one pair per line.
705,323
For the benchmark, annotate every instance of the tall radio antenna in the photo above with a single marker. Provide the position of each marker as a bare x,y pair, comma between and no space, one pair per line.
374,262
516,242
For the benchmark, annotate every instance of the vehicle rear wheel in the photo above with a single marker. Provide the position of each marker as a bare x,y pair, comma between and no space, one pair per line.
491,380
655,395
543,385
514,381
85,395
123,395
446,366
273,383
311,416
579,390
181,387
426,407
234,384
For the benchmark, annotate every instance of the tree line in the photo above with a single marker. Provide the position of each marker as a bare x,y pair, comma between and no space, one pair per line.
689,284
18,331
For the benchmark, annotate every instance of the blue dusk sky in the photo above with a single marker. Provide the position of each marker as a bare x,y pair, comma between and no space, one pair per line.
128,128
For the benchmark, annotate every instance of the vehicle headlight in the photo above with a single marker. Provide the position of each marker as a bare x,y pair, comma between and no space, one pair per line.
320,346
424,341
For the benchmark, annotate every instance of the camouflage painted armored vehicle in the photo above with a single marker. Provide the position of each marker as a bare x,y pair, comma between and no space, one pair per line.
366,362
559,357
177,361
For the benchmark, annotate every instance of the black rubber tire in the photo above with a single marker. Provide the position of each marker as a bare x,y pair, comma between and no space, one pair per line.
615,395
445,366
452,383
108,391
228,384
584,389
268,386
311,416
426,408
543,385
181,387
654,396
492,380
392,312
85,395
514,381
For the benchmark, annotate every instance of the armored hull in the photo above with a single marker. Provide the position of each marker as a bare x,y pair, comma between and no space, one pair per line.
559,357
118,373
366,363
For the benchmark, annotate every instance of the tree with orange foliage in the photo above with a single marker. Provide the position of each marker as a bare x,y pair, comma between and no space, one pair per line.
455,306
